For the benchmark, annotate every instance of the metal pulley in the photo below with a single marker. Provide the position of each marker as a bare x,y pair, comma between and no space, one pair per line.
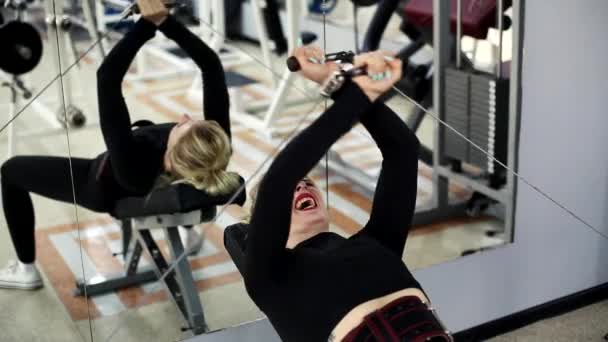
21,47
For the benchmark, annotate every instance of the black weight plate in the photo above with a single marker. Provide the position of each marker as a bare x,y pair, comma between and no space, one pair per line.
22,47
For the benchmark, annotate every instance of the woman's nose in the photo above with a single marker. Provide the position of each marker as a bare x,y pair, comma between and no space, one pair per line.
300,186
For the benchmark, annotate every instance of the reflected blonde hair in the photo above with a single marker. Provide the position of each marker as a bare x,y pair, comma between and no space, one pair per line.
200,157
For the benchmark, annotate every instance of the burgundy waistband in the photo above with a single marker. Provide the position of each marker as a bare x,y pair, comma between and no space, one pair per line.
406,319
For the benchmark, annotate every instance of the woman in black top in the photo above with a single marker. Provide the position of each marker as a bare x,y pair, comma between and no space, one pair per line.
315,285
191,151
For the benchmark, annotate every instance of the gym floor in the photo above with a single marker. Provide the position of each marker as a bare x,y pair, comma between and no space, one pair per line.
71,239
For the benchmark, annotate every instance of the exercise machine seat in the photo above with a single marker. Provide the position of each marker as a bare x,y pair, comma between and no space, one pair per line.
235,241
477,16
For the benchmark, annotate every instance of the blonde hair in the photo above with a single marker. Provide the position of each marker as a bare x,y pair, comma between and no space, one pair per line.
200,157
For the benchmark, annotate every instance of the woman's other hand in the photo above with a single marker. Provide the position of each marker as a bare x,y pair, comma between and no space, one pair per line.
383,71
153,11
312,63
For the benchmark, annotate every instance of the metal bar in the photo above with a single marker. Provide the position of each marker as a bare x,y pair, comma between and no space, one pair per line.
127,235
263,37
499,19
11,127
458,33
514,115
441,57
219,28
498,195
52,33
192,303
278,100
132,259
170,282
91,26
293,15
67,58
204,15
115,282
293,19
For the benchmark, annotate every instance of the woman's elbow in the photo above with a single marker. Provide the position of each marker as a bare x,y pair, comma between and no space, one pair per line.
106,75
410,142
102,70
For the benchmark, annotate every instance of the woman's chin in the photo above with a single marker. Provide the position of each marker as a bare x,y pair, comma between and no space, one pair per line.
311,218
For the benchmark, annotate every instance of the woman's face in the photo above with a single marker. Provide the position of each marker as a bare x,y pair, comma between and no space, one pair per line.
184,123
308,210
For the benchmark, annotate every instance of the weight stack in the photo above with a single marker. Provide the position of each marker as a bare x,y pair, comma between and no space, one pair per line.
477,106
489,120
457,85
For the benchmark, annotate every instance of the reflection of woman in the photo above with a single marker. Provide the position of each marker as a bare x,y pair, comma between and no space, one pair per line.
315,285
192,151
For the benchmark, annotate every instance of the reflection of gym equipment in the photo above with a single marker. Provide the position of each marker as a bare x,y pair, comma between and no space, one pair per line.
483,109
166,209
22,53
210,13
416,25
417,19
17,89
213,29
26,53
59,27
22,48
246,114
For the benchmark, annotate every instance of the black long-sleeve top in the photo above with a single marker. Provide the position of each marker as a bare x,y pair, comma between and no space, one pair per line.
134,158
307,290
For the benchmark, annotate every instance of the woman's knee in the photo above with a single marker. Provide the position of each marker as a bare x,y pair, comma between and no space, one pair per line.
10,168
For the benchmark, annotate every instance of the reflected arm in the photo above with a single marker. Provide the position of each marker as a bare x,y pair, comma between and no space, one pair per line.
216,100
125,155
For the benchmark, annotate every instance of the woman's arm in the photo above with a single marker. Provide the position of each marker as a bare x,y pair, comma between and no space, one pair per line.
215,91
395,195
114,117
270,222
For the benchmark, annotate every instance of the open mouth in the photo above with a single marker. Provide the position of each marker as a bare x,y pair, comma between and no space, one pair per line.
305,202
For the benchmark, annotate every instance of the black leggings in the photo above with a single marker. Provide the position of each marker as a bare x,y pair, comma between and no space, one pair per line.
48,177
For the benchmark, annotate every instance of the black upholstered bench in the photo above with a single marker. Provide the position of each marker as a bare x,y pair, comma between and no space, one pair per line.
166,208
235,241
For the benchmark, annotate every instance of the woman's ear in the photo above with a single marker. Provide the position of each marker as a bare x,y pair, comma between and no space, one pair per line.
167,163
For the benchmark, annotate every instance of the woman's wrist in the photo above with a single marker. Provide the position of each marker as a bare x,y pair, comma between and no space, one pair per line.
371,95
156,21
166,22
144,28
353,92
